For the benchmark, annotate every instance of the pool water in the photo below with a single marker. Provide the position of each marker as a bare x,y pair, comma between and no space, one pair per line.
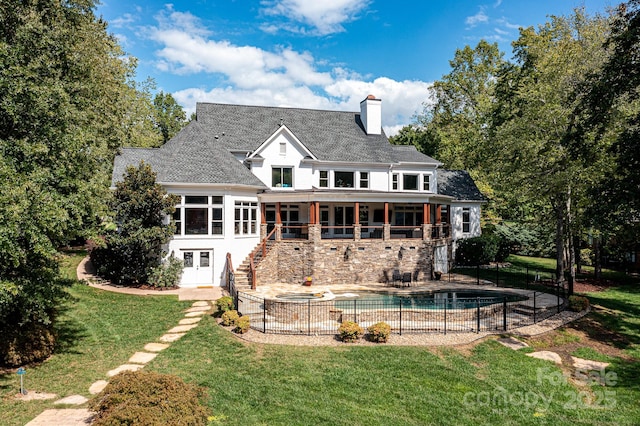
440,299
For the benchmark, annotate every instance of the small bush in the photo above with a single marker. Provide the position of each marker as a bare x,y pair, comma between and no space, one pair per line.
350,331
578,303
225,304
167,274
24,345
230,318
148,398
379,332
243,324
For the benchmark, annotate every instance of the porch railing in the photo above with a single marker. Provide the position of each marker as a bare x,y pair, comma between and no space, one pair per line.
406,231
261,250
372,232
340,231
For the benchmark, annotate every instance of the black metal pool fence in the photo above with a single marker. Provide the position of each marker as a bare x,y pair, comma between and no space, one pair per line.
459,315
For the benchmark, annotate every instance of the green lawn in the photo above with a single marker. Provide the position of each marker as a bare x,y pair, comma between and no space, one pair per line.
253,384
98,331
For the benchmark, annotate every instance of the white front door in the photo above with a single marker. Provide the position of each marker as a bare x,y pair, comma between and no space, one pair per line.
198,267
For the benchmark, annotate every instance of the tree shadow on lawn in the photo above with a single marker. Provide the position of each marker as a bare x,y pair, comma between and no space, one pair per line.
70,332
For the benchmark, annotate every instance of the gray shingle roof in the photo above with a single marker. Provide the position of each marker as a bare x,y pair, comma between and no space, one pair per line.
459,185
202,151
190,157
329,135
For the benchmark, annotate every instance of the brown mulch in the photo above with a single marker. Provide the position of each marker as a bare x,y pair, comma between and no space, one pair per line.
588,285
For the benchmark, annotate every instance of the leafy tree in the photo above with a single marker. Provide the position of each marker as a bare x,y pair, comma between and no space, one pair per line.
607,123
63,109
418,137
140,206
456,123
169,116
536,98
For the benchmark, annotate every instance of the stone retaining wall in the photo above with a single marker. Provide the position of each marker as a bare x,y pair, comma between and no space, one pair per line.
346,262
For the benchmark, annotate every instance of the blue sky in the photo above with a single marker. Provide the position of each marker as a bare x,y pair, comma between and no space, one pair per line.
325,54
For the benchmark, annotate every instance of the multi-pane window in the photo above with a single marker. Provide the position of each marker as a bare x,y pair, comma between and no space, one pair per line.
426,184
343,180
410,182
282,177
408,215
364,179
196,215
466,219
216,216
324,179
193,215
246,218
394,181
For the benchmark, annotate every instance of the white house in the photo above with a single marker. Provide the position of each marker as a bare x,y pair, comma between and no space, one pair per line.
325,191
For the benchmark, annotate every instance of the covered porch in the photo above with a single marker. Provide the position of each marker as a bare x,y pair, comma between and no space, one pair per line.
340,216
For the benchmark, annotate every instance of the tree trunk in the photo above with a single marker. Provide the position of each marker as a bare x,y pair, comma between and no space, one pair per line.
570,238
597,254
576,254
559,240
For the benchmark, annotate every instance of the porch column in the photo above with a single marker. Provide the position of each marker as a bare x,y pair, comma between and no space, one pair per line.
386,228
312,213
438,220
356,221
278,223
426,221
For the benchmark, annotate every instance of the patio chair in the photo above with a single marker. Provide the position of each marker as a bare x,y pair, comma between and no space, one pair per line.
406,279
397,278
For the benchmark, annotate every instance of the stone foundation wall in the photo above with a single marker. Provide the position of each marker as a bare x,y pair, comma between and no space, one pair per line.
346,262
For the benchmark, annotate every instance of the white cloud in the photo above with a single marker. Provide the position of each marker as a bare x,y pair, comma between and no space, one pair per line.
476,19
322,16
280,77
123,20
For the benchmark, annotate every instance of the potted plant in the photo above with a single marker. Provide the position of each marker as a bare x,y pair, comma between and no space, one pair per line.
437,275
308,280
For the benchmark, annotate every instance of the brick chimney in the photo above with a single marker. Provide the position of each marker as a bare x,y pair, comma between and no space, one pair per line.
371,115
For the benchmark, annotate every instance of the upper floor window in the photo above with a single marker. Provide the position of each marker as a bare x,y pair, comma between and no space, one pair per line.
324,179
410,182
343,179
364,179
283,148
394,181
466,219
282,177
426,183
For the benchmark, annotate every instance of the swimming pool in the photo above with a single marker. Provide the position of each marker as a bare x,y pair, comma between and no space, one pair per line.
437,299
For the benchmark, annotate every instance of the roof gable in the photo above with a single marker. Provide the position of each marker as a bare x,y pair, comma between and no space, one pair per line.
291,139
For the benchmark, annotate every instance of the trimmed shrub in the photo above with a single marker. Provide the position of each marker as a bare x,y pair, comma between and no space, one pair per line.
148,398
167,275
350,331
578,303
477,250
224,304
379,332
243,324
230,318
31,343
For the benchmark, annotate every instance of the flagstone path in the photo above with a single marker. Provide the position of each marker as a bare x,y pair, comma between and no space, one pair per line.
193,315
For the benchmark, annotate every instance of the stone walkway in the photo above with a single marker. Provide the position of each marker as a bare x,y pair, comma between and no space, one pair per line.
578,363
137,361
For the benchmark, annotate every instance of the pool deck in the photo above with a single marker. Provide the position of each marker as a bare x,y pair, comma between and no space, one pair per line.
543,300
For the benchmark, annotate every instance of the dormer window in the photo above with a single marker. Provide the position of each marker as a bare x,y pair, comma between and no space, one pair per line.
364,180
324,178
343,180
282,177
410,182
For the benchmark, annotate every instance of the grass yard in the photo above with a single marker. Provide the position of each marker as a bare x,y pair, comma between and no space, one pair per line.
255,384
98,331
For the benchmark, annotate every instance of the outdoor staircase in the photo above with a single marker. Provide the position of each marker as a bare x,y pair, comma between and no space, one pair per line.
243,282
